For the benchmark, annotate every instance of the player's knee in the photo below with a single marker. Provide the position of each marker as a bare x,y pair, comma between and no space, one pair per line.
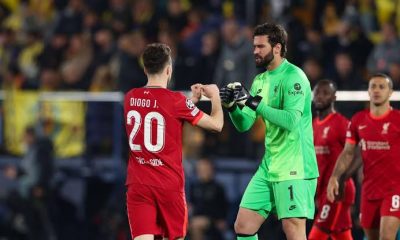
244,228
294,227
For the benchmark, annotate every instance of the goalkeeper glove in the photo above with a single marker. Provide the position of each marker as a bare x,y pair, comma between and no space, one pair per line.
226,94
243,98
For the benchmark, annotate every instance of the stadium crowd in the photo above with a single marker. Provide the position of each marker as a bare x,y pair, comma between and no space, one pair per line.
95,46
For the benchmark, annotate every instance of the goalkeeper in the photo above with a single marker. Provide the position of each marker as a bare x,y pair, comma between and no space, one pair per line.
286,179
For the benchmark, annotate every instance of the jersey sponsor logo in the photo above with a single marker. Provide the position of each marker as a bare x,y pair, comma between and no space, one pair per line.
293,173
258,91
189,104
385,128
146,92
374,145
325,132
292,207
320,150
362,127
155,162
297,90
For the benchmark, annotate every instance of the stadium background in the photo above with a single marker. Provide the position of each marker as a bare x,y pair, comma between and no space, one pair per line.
65,64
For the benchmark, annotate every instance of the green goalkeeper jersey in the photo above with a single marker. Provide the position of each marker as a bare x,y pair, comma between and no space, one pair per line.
286,111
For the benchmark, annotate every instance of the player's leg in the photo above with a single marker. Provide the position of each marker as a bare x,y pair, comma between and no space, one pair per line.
317,234
294,203
371,233
198,225
345,235
389,227
256,204
390,216
142,213
173,212
247,223
294,228
370,217
145,237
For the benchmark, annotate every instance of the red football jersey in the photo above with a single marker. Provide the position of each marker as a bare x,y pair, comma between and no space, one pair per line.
154,120
329,140
379,140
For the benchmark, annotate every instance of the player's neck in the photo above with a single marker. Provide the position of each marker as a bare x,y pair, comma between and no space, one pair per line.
275,63
380,110
156,82
324,113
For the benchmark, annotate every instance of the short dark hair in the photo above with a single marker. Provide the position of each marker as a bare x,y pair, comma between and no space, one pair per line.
327,82
383,75
276,34
155,57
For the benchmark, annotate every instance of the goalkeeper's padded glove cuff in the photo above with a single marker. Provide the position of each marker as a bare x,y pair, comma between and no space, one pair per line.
232,108
253,102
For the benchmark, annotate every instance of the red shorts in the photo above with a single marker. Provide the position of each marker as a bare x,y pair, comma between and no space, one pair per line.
336,216
156,211
371,211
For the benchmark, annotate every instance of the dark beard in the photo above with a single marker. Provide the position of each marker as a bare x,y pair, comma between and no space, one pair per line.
322,108
266,60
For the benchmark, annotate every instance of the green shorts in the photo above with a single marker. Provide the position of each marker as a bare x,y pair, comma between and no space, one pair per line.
288,199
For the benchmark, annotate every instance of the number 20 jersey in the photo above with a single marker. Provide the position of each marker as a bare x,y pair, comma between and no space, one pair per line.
154,120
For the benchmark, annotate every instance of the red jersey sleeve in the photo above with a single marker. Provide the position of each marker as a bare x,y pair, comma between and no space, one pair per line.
352,134
186,110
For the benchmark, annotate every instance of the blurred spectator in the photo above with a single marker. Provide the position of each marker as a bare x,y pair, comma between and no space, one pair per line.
347,38
34,177
27,59
130,72
53,53
310,46
9,50
71,18
236,62
145,18
345,74
385,53
176,15
78,57
50,79
118,17
313,69
210,51
207,204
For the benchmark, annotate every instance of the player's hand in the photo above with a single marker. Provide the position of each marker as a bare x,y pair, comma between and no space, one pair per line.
210,91
333,189
241,94
196,92
227,96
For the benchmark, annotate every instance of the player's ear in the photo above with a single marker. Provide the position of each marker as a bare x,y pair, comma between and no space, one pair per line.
277,49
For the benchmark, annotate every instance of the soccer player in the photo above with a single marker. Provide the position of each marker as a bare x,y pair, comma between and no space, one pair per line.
286,179
377,131
154,118
333,220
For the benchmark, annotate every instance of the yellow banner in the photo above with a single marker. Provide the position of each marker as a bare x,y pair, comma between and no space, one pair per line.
63,121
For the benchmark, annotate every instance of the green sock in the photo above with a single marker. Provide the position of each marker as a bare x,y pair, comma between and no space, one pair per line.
253,237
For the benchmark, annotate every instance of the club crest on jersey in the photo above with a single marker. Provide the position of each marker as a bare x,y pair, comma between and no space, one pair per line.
385,128
325,132
189,104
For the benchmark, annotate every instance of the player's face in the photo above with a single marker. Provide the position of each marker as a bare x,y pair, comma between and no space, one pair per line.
379,91
263,51
324,96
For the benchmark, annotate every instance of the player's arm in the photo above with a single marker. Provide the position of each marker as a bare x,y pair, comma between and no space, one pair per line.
342,164
242,119
214,121
289,116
